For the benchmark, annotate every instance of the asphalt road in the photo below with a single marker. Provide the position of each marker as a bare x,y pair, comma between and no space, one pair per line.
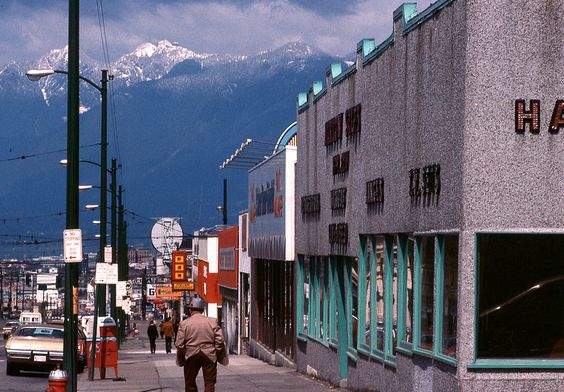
26,381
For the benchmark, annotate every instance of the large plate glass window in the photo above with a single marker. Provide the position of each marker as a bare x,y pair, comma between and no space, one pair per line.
520,296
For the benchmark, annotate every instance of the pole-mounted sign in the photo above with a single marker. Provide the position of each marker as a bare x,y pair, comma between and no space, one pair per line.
72,239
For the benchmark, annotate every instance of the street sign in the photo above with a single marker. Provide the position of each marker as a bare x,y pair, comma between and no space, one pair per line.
72,240
112,274
101,273
165,292
128,288
182,286
108,254
121,290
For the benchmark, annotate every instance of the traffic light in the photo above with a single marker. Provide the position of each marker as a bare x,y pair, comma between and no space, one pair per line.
28,279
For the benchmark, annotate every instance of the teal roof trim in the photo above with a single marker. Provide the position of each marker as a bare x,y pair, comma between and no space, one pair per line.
302,101
415,20
348,72
366,46
316,87
370,51
335,70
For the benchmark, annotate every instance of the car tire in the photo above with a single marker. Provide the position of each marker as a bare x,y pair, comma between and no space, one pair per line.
12,370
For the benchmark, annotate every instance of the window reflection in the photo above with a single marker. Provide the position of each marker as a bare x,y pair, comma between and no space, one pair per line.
427,292
306,266
354,294
409,295
368,286
450,294
380,315
394,303
521,292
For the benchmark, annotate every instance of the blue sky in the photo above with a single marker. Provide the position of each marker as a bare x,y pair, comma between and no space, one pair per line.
30,28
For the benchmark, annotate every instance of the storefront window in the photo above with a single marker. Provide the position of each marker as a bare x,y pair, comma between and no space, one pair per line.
394,299
520,296
306,287
321,297
410,257
380,308
450,295
426,315
353,302
367,290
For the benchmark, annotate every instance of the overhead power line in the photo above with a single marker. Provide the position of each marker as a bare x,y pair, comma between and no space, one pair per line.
39,154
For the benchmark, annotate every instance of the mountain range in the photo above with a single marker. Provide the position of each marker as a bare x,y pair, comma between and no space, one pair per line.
174,116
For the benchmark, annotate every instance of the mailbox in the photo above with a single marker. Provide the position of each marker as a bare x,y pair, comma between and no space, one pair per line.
106,347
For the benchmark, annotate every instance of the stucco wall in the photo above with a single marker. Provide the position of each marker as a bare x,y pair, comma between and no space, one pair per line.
412,100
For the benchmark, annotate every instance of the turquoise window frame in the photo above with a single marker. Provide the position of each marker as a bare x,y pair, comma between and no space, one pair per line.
375,351
314,298
333,338
325,304
435,353
300,300
404,346
362,345
503,363
351,345
389,357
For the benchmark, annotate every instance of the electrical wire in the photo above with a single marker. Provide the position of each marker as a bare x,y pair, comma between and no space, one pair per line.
23,157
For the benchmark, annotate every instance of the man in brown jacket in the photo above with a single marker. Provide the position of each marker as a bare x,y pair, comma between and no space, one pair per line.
200,338
168,329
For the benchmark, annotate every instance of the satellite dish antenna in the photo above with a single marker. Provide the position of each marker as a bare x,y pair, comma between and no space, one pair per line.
166,236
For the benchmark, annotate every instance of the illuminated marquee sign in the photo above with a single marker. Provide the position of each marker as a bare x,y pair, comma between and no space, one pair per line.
531,117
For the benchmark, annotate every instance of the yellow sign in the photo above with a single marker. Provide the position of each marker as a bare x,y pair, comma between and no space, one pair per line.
166,291
182,286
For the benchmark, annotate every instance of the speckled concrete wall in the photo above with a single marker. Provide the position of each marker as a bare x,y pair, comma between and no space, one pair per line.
444,93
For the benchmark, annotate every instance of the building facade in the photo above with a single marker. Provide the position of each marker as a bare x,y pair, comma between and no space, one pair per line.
271,249
429,195
228,283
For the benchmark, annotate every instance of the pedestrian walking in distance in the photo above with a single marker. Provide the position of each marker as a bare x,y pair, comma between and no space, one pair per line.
168,330
199,343
152,333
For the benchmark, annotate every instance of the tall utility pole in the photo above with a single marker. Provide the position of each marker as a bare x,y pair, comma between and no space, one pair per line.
71,269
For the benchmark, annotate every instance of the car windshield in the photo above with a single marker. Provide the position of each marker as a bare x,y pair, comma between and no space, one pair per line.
40,332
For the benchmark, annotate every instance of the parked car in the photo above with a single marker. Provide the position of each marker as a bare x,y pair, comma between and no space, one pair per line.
9,327
39,347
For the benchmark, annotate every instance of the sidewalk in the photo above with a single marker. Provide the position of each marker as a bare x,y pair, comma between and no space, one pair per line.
144,372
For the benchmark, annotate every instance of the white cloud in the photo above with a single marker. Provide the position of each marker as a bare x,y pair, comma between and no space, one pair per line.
210,27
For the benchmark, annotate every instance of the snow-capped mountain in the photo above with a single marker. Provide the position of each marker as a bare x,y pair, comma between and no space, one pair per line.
175,115
152,62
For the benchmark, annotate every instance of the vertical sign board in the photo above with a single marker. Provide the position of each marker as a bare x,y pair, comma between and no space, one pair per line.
101,273
179,270
112,274
72,239
108,254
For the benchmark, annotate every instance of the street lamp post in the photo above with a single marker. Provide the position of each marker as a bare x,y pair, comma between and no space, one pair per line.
73,187
71,269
